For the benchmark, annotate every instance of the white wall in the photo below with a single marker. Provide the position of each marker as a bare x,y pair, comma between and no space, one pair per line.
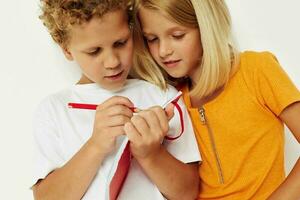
32,67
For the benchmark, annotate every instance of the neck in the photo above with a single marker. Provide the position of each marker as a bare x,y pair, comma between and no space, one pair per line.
198,102
84,80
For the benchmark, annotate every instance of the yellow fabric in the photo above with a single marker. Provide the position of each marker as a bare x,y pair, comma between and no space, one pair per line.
247,131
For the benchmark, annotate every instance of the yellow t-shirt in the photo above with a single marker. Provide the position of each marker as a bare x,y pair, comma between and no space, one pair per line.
245,144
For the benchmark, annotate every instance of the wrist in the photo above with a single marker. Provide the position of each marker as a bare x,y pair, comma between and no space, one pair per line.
152,157
94,148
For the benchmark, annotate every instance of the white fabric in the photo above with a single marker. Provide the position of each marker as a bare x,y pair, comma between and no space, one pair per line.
60,132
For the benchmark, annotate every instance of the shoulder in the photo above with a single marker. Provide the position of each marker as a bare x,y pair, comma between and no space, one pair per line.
253,63
151,89
255,60
53,101
254,55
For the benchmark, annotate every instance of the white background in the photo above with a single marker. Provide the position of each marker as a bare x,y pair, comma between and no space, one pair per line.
32,66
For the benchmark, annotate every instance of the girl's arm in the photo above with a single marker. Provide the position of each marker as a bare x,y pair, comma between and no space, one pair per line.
176,180
73,179
289,189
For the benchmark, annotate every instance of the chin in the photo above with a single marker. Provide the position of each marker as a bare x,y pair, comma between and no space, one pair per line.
115,88
177,75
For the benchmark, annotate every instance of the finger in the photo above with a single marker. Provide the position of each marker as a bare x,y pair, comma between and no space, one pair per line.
117,120
162,118
132,134
153,123
169,111
115,100
119,110
141,125
106,118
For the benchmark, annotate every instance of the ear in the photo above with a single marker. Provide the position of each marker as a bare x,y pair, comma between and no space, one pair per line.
67,53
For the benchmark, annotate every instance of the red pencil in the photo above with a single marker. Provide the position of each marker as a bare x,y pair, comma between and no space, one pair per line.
134,109
92,106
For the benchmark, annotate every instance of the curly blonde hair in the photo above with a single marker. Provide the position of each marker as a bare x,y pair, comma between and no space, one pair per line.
60,15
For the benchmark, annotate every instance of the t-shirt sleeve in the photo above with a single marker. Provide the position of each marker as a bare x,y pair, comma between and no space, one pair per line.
185,147
276,89
47,150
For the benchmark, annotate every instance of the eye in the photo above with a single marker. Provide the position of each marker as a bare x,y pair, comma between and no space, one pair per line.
120,43
178,35
94,52
151,39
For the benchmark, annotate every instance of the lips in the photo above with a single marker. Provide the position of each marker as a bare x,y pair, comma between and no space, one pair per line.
115,76
171,63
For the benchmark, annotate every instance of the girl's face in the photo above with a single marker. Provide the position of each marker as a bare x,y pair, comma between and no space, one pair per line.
176,48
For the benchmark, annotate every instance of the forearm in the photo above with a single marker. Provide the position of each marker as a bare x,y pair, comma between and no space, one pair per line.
289,189
176,180
72,180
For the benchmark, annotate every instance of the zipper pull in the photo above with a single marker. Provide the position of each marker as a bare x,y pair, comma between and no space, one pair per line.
202,115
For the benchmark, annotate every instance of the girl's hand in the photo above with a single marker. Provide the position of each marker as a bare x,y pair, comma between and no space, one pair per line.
147,129
110,119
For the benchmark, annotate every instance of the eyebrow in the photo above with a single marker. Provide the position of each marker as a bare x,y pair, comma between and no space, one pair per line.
92,48
170,30
124,37
147,34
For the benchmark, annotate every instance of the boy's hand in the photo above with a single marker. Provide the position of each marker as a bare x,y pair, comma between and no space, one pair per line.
110,119
147,129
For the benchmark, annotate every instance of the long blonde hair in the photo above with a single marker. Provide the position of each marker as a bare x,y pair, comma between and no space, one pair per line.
220,56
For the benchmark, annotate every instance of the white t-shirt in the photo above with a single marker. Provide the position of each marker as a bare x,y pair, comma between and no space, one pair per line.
60,132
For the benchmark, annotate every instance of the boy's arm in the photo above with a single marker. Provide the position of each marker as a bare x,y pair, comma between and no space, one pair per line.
289,189
72,180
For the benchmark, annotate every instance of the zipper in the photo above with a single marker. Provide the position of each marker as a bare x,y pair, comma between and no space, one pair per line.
204,121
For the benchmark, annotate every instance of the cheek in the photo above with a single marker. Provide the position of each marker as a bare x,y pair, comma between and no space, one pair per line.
153,49
126,54
193,51
127,57
86,63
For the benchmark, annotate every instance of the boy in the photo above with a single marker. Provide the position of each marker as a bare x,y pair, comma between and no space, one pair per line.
75,148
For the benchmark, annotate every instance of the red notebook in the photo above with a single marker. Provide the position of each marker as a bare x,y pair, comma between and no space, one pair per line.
119,170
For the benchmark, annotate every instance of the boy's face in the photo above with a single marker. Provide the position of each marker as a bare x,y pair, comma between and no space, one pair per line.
103,49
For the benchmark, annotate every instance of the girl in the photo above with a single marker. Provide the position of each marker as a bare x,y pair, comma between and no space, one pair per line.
75,148
238,101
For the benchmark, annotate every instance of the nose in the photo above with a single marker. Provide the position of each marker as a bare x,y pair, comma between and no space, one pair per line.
165,49
111,60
